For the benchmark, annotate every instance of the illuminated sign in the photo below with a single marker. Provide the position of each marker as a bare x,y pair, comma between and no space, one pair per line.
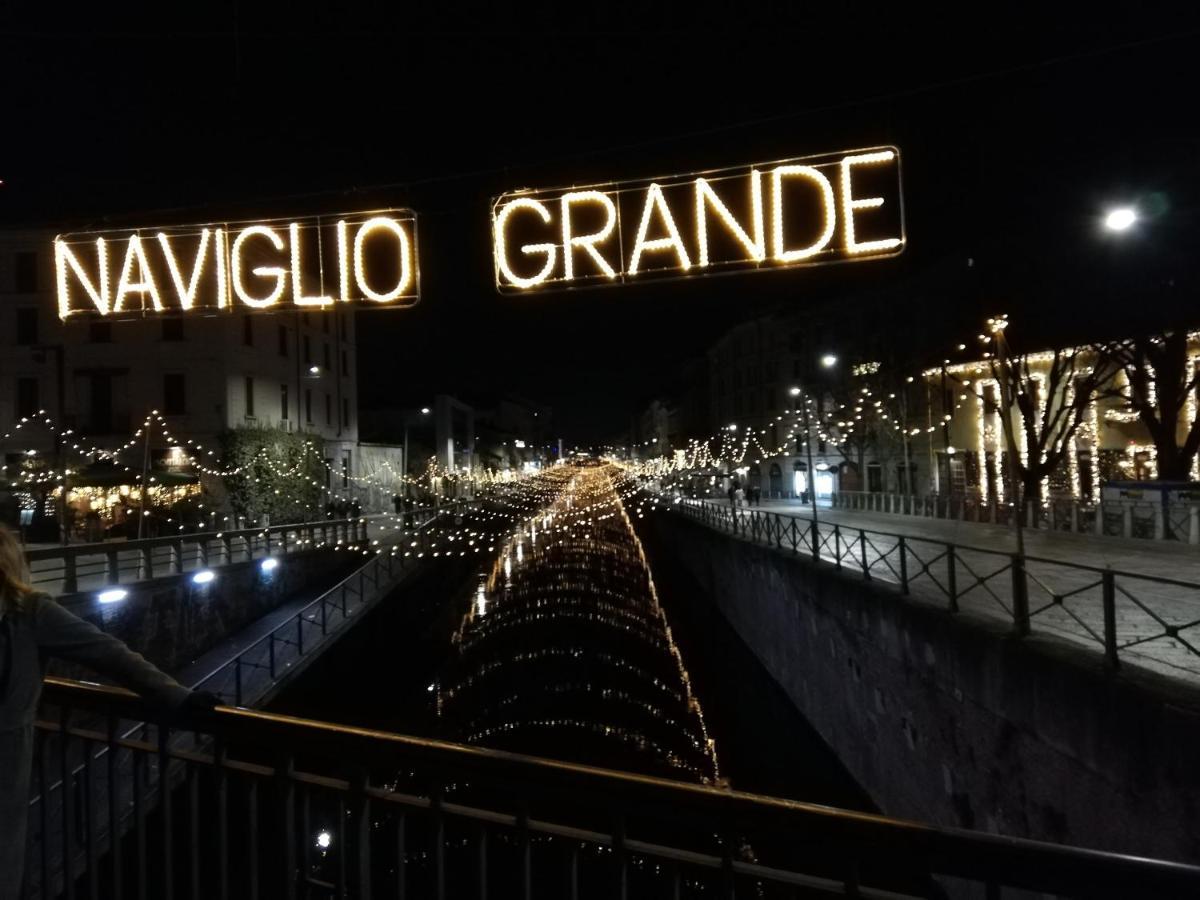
797,212
313,262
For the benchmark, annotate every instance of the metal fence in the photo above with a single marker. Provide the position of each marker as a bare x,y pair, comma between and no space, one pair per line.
65,570
254,805
1121,614
259,665
1112,518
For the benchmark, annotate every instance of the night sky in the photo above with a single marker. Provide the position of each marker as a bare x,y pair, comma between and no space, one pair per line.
1016,134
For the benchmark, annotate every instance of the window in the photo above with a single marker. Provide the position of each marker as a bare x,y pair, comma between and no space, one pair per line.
283,340
100,332
27,397
248,331
345,362
345,412
174,394
25,279
308,405
328,364
249,395
27,326
172,329
346,470
328,410
283,402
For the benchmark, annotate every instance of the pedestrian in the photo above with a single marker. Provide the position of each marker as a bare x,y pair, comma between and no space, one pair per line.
733,489
355,508
32,628
330,509
408,512
343,508
739,497
397,503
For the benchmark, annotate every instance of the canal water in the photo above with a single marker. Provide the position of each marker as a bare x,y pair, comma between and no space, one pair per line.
571,639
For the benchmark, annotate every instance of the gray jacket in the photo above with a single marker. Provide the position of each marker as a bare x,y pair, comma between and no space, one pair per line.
28,638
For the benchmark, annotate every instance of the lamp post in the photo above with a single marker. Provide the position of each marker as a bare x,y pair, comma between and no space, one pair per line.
404,462
810,481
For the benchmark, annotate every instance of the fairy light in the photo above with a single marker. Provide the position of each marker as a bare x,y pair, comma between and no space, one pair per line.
135,255
501,248
656,202
276,272
185,291
383,223
586,241
98,291
827,209
298,296
850,203
222,269
343,245
706,199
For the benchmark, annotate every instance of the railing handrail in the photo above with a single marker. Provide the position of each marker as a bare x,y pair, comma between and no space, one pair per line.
1119,573
952,851
43,553
322,598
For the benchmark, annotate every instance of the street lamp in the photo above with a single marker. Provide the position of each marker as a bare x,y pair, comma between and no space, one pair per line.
424,412
1121,218
829,360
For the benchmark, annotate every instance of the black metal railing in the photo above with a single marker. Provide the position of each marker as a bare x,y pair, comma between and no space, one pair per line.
65,570
1120,614
250,805
1106,518
259,666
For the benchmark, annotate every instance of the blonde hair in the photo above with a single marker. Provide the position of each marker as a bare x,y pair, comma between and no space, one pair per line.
14,572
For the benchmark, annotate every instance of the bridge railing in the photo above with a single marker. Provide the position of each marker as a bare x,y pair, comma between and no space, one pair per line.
1107,518
65,570
1118,613
262,805
262,662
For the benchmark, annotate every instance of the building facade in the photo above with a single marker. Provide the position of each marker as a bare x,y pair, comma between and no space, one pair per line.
204,375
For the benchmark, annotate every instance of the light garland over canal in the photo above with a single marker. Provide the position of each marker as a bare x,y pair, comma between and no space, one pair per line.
565,651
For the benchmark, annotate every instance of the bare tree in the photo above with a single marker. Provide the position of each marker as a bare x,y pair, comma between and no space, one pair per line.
1050,402
1158,386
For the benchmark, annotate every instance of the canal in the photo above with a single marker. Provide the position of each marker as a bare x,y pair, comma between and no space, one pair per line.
568,638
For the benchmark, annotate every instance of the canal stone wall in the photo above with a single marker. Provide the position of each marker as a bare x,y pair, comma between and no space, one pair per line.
172,621
952,720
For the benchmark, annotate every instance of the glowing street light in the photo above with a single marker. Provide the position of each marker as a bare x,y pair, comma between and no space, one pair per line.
1122,218
795,392
829,360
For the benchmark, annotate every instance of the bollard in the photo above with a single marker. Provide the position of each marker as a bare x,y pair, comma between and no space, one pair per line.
1194,524
112,573
1127,521
1098,525
1074,516
903,568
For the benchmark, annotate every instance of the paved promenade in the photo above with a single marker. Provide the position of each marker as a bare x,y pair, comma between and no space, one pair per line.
1157,583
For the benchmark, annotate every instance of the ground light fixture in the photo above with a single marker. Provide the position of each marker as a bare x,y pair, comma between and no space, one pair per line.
112,595
204,576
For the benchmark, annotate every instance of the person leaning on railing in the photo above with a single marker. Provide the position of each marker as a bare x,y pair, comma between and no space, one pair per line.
33,628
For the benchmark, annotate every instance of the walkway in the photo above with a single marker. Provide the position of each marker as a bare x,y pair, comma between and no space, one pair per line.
968,567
